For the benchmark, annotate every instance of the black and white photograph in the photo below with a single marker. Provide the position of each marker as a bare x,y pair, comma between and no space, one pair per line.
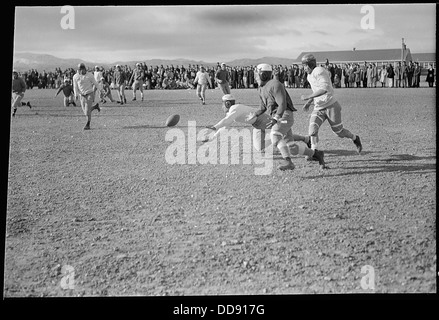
221,150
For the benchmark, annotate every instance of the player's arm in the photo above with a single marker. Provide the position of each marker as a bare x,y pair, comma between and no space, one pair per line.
59,90
226,121
262,108
75,89
280,96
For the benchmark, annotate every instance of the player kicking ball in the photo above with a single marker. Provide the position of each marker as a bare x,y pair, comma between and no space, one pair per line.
326,107
244,114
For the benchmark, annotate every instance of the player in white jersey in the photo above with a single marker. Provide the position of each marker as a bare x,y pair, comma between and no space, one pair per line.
97,74
326,107
244,114
202,79
84,86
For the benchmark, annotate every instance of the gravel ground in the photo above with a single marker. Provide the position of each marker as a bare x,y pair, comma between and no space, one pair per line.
106,204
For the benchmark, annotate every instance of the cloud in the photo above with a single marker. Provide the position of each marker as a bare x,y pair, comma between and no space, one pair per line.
219,32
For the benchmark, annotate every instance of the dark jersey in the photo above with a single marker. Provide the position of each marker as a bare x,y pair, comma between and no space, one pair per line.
275,98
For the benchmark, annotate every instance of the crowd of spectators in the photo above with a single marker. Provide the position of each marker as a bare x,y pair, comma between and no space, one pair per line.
349,75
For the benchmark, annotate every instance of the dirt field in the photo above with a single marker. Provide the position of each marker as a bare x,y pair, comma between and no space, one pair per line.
106,205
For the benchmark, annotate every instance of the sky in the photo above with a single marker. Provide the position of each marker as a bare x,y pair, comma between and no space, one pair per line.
213,33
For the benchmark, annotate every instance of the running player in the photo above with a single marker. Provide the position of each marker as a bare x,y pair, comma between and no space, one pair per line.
276,101
326,107
18,89
105,91
202,79
137,80
244,114
68,92
223,79
84,86
119,81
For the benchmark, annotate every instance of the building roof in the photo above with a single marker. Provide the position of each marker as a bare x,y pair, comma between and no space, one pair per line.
424,57
358,55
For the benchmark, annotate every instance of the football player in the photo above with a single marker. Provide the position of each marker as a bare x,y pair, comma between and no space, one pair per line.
84,86
326,107
276,101
68,92
244,114
18,89
137,80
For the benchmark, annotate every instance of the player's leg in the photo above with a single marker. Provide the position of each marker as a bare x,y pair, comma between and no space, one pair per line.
316,120
86,102
261,139
135,83
198,92
277,135
334,119
66,101
141,90
72,99
16,101
203,93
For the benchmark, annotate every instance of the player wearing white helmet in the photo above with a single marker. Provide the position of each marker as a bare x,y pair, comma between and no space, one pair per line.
84,86
244,114
276,101
137,80
326,107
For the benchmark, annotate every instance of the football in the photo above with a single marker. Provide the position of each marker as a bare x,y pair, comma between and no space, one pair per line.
172,120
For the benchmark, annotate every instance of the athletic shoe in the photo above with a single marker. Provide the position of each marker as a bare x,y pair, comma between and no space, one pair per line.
74,104
13,113
308,144
141,99
87,127
117,101
96,106
286,164
28,104
204,102
124,99
358,144
318,156
134,99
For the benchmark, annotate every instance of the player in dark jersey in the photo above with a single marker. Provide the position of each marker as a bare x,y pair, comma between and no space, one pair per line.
276,101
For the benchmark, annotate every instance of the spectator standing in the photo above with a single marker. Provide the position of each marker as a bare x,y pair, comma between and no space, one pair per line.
410,71
397,78
430,76
390,75
383,76
416,75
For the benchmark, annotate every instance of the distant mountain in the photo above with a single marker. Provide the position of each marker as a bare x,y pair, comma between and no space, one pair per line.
25,61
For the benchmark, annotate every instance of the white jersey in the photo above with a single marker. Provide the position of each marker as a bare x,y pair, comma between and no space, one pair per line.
202,78
320,79
84,84
237,113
